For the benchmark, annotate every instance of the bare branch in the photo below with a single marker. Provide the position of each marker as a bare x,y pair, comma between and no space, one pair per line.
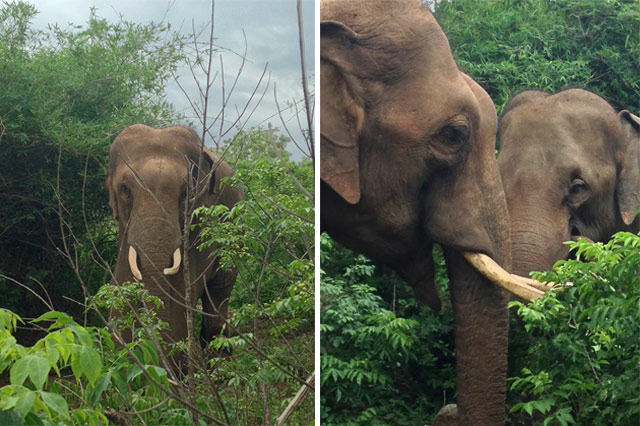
297,399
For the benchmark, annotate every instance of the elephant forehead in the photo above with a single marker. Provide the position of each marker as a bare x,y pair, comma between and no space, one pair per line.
572,132
422,107
162,172
155,174
140,142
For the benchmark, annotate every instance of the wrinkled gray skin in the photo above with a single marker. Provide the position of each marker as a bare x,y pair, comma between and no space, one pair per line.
150,173
570,168
407,159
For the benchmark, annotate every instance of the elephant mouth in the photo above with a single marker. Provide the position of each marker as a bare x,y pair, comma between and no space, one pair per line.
575,232
176,260
524,288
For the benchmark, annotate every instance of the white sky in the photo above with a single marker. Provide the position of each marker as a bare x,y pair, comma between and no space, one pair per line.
271,30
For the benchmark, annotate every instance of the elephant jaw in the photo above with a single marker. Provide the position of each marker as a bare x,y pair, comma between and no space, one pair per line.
420,275
135,271
525,288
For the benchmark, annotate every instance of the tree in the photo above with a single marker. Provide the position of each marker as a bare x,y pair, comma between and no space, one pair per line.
255,143
511,45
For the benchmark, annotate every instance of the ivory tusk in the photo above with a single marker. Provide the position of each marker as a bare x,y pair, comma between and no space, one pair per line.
544,286
176,263
133,263
494,273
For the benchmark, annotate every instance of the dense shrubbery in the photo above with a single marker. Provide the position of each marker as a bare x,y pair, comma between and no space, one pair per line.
384,359
578,352
582,363
511,45
270,239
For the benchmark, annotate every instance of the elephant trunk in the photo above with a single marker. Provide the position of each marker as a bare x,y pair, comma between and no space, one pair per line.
155,258
481,317
481,325
167,287
536,239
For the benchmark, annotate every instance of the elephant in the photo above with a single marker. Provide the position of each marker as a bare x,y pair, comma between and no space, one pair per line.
156,177
407,160
570,169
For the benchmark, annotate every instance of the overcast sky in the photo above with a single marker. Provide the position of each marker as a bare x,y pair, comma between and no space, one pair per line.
271,31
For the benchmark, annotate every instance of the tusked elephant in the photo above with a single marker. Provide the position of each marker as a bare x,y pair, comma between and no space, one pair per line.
407,160
151,172
570,169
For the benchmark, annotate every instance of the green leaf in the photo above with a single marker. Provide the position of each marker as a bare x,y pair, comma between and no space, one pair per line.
132,372
101,384
35,367
25,402
32,419
10,417
86,361
61,319
19,372
39,370
55,402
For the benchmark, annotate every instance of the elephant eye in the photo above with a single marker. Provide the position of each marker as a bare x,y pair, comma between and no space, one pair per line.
578,192
577,186
455,135
125,191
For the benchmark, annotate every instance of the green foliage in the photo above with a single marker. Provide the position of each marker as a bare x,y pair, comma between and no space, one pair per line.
76,375
121,298
65,94
269,238
274,226
384,360
255,144
510,45
31,395
583,358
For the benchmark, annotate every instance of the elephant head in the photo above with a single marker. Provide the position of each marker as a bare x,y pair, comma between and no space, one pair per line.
570,168
156,177
407,160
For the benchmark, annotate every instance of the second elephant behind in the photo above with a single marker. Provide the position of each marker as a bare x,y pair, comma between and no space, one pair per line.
570,168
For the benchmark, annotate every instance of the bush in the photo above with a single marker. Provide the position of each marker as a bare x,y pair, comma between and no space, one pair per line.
384,358
584,354
269,238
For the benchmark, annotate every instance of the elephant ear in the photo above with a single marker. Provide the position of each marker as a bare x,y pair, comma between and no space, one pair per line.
341,116
213,163
113,201
628,186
